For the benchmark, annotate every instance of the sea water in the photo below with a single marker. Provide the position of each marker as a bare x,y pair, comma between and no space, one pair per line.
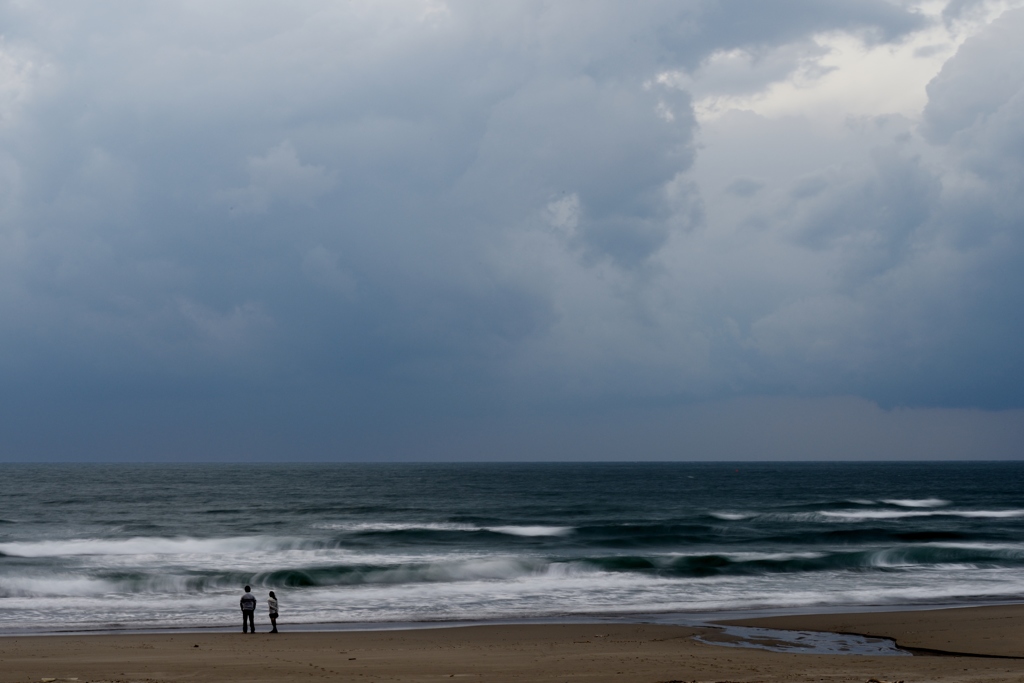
153,546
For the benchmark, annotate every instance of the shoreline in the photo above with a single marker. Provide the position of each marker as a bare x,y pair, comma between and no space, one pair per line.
689,619
989,631
969,644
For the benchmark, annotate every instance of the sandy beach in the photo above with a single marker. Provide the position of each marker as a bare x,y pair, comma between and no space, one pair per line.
555,652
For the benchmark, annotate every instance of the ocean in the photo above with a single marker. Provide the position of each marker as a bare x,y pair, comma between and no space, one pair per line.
159,546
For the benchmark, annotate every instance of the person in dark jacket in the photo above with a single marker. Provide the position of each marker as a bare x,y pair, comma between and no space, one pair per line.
272,605
248,603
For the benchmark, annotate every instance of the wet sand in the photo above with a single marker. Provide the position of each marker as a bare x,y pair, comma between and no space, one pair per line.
997,630
553,652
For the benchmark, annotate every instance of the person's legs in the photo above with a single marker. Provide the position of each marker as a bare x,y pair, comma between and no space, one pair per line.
247,621
273,622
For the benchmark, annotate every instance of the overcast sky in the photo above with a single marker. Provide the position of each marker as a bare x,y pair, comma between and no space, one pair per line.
464,230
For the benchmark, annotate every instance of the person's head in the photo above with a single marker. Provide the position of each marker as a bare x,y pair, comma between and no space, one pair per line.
272,594
247,589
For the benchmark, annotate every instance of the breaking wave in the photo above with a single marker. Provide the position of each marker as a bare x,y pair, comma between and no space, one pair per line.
916,502
135,547
309,570
863,515
143,546
392,527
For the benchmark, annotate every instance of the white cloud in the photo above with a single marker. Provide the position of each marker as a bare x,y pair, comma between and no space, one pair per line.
833,75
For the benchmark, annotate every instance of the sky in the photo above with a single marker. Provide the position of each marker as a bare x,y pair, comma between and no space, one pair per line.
390,230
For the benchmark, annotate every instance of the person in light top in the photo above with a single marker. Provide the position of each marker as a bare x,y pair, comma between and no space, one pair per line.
248,603
272,605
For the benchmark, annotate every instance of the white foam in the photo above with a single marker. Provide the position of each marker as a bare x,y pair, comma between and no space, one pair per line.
561,589
916,502
993,514
865,515
531,530
142,546
369,527
511,530
1014,549
774,557
732,516
484,569
40,586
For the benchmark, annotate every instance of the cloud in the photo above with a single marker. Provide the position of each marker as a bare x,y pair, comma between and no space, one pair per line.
321,266
744,187
278,176
899,235
983,76
404,217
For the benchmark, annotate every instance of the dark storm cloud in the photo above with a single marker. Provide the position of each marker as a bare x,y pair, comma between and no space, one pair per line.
241,230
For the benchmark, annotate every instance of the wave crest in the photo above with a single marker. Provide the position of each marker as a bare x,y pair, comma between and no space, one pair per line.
916,502
142,545
399,527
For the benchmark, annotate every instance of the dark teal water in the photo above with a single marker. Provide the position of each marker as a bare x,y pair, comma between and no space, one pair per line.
171,545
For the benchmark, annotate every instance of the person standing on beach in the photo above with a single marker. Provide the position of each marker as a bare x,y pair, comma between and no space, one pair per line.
248,603
272,605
